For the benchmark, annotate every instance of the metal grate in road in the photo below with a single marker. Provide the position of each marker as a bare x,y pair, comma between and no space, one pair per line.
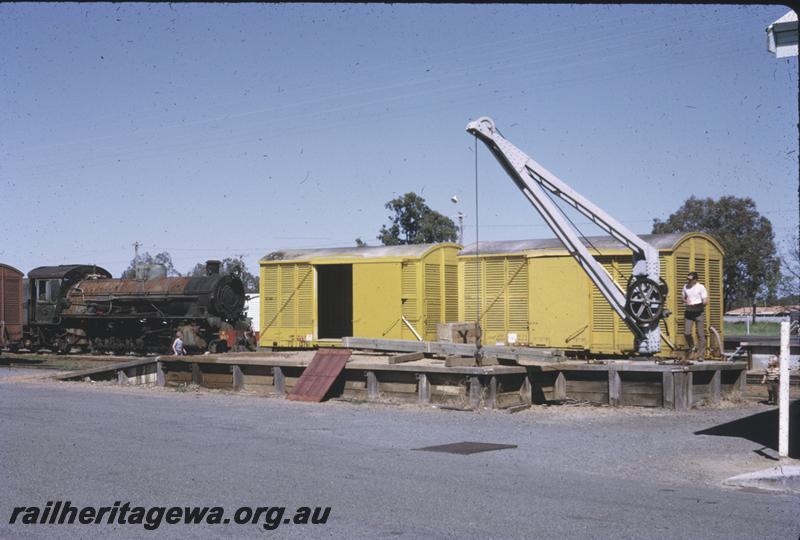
467,447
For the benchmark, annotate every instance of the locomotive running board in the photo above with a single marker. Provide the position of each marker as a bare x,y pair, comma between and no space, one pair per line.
320,375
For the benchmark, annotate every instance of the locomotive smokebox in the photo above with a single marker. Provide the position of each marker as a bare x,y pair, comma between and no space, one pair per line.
212,267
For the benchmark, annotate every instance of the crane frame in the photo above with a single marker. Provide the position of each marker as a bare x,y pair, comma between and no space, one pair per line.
641,305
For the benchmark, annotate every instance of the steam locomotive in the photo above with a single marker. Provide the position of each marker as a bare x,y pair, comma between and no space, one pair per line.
82,307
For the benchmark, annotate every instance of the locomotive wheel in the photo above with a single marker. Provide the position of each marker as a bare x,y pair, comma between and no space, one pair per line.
97,346
62,346
645,300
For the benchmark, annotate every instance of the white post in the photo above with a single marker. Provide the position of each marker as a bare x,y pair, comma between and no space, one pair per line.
783,394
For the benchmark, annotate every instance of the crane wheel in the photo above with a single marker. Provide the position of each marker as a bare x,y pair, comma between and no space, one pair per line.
645,300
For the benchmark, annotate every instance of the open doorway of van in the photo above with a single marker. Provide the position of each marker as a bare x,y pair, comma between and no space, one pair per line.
335,300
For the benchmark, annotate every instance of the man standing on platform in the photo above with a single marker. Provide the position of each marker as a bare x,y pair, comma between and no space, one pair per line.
695,298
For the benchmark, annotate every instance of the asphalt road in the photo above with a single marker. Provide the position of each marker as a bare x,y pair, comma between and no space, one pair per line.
15,372
578,472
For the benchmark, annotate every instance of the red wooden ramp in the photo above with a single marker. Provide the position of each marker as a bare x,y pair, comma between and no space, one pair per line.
320,374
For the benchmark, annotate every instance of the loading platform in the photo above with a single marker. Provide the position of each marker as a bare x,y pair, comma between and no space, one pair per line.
416,377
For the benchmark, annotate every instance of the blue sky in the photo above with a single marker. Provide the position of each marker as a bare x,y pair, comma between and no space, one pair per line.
213,130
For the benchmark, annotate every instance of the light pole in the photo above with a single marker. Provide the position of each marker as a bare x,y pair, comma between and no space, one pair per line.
460,215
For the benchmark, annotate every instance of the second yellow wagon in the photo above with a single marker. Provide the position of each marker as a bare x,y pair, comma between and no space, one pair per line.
533,293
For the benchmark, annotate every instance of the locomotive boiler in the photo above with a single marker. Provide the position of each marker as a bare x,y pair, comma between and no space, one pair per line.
79,306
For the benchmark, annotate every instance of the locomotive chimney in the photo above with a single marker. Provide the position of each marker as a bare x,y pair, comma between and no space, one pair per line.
212,267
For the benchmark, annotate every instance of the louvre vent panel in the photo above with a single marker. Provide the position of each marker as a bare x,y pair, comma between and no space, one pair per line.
471,286
451,292
269,303
305,296
433,304
602,318
518,295
715,307
681,269
288,302
409,280
410,309
409,291
624,271
602,313
700,268
494,298
495,277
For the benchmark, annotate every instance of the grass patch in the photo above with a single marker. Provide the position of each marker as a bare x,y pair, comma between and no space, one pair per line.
756,329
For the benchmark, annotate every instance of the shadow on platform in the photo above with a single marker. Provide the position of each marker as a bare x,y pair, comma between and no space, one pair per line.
762,428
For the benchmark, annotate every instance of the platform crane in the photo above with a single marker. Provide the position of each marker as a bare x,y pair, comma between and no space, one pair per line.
642,305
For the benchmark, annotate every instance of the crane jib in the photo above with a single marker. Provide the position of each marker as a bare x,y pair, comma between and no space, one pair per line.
641,305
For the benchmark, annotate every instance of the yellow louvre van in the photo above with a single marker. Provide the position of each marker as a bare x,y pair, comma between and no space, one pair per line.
313,296
532,292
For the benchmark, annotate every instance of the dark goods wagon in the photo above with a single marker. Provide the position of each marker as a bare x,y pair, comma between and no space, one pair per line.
92,311
11,312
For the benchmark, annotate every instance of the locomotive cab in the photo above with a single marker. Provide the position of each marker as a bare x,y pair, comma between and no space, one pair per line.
45,300
47,287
